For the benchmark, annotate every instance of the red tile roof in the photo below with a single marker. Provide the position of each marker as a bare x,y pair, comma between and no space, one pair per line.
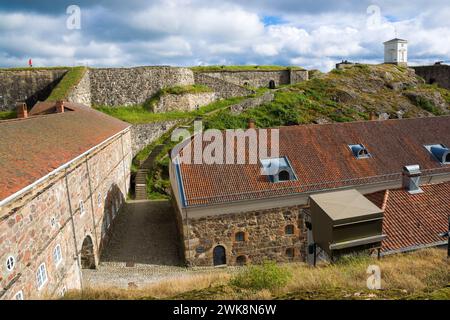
320,157
33,147
414,220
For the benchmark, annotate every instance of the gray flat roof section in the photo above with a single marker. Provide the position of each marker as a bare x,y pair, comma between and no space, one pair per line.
347,206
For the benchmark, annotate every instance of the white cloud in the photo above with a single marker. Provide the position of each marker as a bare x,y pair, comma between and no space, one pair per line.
184,32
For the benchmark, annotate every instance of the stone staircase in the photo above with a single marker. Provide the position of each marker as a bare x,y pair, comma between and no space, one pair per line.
146,166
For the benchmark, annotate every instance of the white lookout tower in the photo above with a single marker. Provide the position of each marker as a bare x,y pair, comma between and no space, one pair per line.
396,52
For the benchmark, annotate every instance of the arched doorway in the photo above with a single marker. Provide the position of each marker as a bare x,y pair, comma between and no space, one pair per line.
271,84
87,254
219,256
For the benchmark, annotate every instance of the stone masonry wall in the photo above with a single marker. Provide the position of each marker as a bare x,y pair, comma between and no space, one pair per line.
222,88
144,134
439,74
81,93
298,76
131,86
259,78
31,86
34,224
264,231
184,102
252,103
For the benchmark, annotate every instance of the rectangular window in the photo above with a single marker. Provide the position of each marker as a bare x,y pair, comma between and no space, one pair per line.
41,276
19,295
57,255
82,207
99,200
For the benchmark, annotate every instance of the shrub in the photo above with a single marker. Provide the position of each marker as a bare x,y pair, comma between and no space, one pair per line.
269,275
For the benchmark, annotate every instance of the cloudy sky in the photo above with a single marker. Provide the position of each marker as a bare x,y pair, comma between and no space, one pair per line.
309,33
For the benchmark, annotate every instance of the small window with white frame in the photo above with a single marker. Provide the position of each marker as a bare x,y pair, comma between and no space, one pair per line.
19,295
57,255
53,222
82,210
99,200
41,276
10,263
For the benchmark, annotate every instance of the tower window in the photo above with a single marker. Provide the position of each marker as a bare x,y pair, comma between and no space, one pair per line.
239,236
289,229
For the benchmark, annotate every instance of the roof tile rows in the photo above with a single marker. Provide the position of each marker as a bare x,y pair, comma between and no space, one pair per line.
414,220
322,160
33,147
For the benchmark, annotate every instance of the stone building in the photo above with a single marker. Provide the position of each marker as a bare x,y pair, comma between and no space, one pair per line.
64,172
238,213
396,52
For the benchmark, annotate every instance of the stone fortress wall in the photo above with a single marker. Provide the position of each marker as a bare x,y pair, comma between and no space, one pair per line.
75,210
258,78
31,86
264,237
437,73
131,86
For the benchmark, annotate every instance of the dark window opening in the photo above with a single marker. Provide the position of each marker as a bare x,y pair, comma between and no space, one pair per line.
219,256
241,260
239,236
432,81
87,254
271,84
284,176
289,229
447,158
290,252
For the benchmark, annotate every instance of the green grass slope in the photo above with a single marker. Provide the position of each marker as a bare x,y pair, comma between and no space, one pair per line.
345,95
69,81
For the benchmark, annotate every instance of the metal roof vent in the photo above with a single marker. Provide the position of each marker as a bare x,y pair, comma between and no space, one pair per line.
359,151
277,169
411,178
440,152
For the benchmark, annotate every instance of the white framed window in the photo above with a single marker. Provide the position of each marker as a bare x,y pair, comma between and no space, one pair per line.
53,222
41,276
19,295
57,255
82,210
10,263
99,200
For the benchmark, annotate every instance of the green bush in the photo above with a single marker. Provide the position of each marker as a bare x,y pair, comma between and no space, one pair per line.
269,275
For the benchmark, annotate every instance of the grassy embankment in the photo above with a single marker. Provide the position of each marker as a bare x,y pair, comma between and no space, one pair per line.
67,83
70,79
344,95
419,275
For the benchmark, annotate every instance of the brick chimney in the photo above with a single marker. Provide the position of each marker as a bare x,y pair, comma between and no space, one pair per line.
59,106
251,124
21,109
